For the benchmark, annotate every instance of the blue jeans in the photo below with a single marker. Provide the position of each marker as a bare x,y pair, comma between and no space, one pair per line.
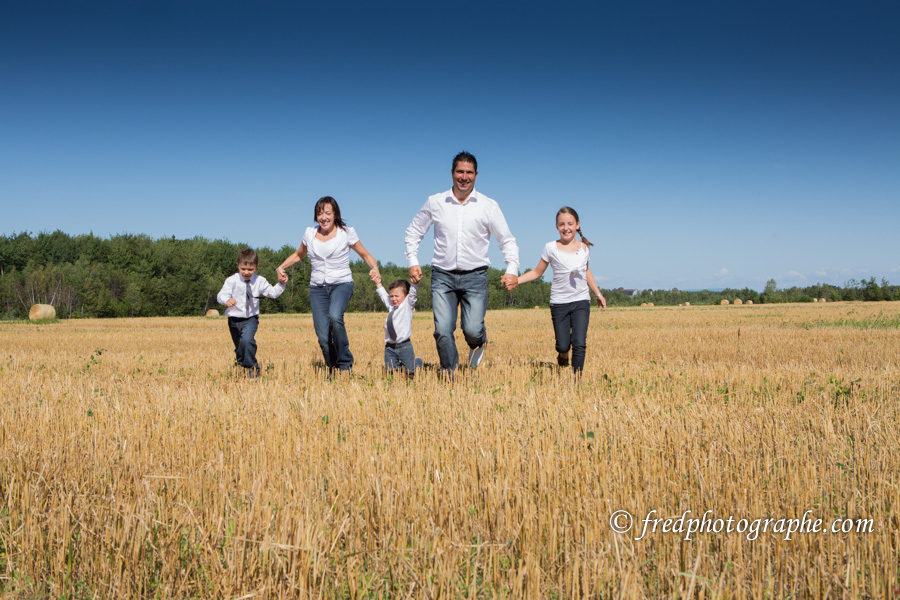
570,324
328,303
400,357
449,291
243,334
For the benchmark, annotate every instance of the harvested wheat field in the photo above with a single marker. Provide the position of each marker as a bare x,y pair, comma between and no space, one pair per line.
134,463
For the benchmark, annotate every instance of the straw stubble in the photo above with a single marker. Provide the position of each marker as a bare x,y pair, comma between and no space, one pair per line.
136,463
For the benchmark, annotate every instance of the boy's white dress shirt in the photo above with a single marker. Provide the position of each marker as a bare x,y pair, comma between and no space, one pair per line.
330,259
462,233
402,315
236,287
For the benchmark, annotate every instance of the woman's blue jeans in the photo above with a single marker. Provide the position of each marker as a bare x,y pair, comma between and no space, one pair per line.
328,303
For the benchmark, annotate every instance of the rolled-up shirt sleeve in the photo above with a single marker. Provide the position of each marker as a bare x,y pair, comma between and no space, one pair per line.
420,225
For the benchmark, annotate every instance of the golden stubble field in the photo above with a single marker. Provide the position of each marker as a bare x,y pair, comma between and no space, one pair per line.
134,463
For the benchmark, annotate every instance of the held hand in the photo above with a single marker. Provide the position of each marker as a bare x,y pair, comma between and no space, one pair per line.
280,272
375,276
415,274
510,281
230,302
282,277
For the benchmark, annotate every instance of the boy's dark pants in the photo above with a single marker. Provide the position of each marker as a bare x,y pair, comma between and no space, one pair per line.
243,334
400,356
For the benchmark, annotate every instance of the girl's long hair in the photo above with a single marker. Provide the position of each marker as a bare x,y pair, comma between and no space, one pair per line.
568,210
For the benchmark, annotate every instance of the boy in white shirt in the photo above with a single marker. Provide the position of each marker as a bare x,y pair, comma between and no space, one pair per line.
241,293
398,349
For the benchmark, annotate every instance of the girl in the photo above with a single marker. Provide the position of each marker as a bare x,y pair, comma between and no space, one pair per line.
570,304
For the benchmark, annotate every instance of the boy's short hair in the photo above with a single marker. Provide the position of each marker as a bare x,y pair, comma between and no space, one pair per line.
248,256
399,283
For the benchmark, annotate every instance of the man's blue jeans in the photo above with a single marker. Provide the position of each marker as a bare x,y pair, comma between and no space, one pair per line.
328,303
243,334
449,291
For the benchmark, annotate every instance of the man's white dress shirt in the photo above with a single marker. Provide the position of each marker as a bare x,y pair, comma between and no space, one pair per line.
462,233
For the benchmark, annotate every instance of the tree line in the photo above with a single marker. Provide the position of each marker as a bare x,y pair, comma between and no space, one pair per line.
132,275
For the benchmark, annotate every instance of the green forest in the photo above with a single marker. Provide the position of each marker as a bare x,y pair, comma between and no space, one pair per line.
135,276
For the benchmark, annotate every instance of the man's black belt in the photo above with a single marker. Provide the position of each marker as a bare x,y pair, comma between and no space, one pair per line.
461,271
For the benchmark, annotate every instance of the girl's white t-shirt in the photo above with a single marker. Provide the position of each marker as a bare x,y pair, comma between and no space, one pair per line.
330,259
569,273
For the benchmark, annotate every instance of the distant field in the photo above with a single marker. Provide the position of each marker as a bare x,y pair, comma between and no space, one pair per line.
134,463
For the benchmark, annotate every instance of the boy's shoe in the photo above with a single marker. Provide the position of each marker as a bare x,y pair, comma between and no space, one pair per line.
476,355
419,363
563,360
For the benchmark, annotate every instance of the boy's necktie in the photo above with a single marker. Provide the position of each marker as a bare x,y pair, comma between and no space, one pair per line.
249,293
390,327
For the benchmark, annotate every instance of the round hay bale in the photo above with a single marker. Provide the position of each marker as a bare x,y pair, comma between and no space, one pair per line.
649,304
724,302
738,301
822,300
212,313
536,307
643,304
749,301
687,303
41,311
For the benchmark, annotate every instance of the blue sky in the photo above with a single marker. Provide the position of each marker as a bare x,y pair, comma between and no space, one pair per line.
704,144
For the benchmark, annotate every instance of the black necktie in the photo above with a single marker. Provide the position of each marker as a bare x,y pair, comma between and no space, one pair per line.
390,326
249,293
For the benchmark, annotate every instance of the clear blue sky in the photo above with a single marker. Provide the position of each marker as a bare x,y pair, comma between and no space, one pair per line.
704,144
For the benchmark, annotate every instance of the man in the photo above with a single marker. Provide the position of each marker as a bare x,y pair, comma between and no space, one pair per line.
464,221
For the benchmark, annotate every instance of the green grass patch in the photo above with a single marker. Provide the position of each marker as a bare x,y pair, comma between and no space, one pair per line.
879,321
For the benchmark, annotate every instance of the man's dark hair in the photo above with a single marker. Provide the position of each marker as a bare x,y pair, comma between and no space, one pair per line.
320,206
464,157
248,256
397,283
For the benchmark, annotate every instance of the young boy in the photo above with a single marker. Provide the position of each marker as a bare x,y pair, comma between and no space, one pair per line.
241,294
398,349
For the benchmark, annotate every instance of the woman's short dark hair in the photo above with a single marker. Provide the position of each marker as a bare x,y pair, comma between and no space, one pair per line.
320,206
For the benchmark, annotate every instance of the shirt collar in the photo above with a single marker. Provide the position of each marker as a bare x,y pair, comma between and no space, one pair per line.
451,199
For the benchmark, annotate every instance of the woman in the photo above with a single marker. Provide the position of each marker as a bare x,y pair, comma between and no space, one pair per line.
331,284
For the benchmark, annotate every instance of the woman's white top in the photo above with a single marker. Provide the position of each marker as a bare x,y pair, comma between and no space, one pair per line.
569,273
331,258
